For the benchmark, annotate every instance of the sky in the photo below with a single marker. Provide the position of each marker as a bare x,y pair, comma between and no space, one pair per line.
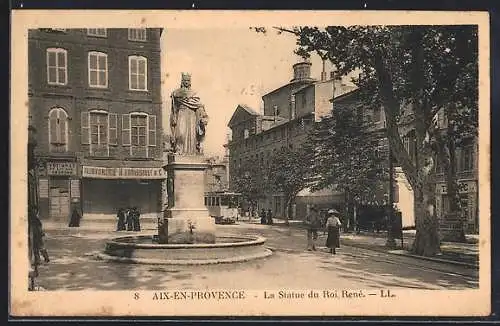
228,67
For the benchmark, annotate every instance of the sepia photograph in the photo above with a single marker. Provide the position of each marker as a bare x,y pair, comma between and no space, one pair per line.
250,164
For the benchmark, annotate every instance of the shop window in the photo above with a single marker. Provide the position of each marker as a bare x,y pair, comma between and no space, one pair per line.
137,69
58,130
57,66
98,69
97,32
137,34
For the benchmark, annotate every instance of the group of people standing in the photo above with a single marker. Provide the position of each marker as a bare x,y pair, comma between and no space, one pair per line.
129,219
266,218
332,226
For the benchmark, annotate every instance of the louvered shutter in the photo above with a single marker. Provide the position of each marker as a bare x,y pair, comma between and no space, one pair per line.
85,128
152,130
126,129
113,129
62,128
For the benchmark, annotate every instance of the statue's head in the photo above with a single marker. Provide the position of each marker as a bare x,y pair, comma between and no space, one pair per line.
186,80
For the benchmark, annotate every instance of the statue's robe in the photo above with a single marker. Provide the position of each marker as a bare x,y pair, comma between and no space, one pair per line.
186,109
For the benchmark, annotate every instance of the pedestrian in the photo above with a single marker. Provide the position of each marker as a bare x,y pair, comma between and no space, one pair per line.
75,218
130,219
312,225
262,216
269,217
136,219
121,220
333,225
38,243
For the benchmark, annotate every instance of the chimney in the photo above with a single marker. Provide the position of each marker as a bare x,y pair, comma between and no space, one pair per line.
323,72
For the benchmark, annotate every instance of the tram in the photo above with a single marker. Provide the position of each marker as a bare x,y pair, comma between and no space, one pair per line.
223,206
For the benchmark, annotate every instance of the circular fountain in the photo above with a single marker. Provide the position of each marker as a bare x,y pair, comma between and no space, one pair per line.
147,250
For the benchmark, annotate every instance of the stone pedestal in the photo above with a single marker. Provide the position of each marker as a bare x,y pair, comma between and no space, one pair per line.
186,220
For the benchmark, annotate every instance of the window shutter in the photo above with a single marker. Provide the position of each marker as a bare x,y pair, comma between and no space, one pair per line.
126,129
113,129
85,128
53,129
62,128
152,130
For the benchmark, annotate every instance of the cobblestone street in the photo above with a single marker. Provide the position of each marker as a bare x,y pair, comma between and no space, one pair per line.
74,266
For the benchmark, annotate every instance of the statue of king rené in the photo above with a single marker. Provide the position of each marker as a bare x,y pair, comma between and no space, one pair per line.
188,120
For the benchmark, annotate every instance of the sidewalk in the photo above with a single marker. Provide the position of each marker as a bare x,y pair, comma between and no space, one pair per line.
464,254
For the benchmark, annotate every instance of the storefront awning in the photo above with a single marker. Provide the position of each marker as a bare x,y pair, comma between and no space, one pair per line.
145,173
323,196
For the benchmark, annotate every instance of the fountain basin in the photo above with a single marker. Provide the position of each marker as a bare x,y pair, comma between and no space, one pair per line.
226,249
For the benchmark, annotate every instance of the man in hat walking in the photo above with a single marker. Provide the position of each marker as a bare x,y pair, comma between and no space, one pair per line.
312,224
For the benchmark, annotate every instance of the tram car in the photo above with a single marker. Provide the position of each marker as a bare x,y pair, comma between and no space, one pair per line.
223,206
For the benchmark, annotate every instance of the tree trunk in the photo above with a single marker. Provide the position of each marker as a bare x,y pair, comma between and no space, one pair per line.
419,173
288,209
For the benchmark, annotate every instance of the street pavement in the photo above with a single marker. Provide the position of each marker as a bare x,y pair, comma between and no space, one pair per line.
74,266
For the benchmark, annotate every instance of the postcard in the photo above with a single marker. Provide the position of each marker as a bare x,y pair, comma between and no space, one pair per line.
250,163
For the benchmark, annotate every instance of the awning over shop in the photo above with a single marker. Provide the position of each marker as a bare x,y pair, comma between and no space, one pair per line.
323,196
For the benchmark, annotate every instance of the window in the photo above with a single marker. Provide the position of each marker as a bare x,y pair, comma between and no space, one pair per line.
57,67
58,130
99,130
98,32
246,134
139,132
98,69
137,73
467,158
137,34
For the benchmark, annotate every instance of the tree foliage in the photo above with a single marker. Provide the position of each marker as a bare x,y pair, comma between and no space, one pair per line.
251,183
288,173
348,153
421,68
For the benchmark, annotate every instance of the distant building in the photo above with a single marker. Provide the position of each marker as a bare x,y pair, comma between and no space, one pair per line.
216,176
466,167
289,112
95,100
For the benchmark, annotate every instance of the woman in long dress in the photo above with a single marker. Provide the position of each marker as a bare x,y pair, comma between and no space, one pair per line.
333,227
121,220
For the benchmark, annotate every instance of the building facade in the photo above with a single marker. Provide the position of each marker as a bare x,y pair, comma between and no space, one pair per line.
289,112
95,100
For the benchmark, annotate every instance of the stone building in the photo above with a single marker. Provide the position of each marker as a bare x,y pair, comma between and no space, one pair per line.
289,112
466,167
95,100
217,175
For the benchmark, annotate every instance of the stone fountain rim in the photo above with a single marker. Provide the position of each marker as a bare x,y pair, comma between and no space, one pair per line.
251,241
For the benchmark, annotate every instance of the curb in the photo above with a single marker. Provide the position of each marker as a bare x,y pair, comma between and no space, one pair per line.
433,259
105,257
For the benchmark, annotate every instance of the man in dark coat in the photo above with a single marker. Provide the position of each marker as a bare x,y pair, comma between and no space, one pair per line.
136,219
121,220
269,217
75,218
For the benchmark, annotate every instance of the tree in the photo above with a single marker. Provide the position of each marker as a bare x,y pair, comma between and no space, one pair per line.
288,173
421,68
348,154
249,181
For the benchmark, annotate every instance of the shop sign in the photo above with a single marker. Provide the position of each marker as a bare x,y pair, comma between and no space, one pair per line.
61,168
463,187
122,173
